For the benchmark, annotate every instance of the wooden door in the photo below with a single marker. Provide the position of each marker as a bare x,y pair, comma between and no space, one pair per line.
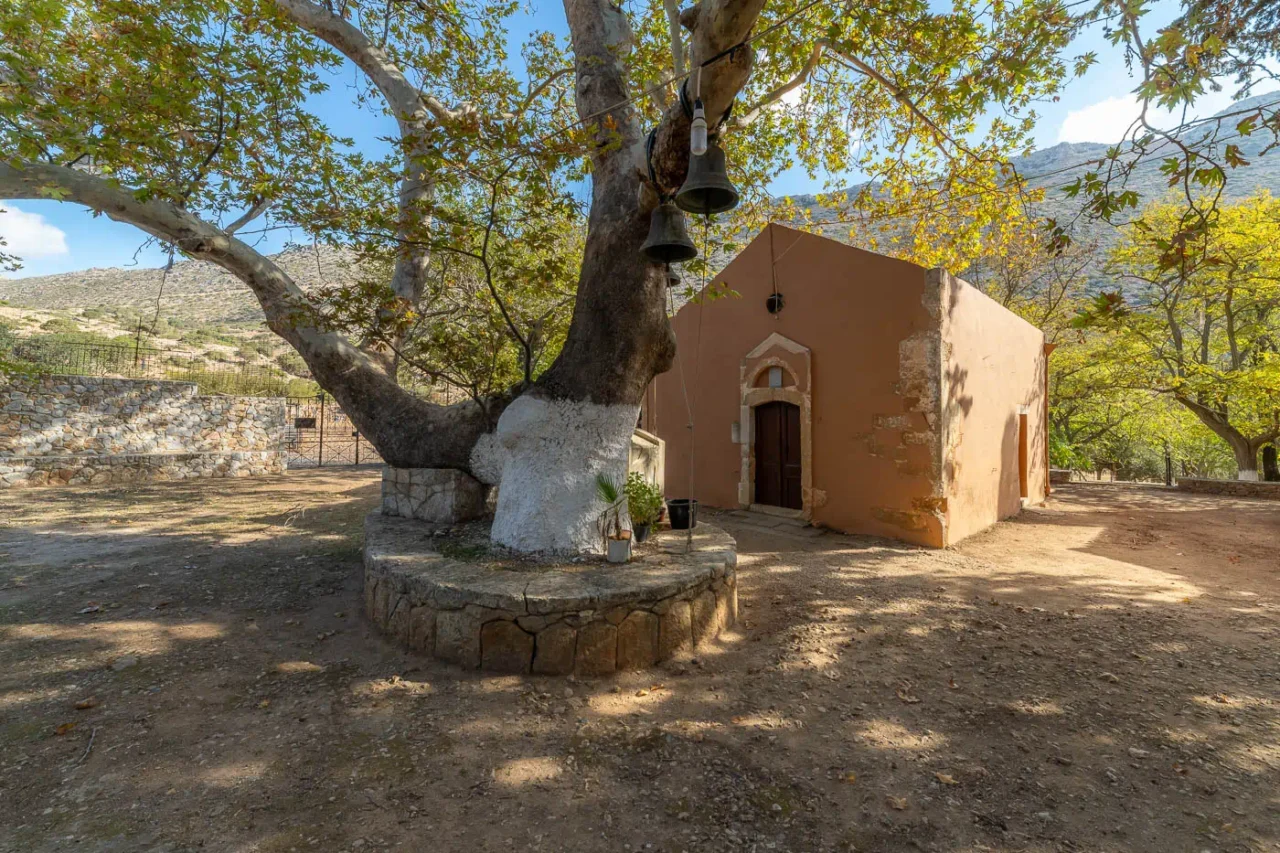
777,442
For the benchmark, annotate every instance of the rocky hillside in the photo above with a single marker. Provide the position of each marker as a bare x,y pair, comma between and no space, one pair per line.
1053,168
195,292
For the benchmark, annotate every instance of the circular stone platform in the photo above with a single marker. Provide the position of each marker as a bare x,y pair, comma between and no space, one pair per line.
588,619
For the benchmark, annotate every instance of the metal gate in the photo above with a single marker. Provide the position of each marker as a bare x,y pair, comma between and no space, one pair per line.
318,433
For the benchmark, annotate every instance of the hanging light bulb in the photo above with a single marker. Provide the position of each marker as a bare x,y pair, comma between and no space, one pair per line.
698,132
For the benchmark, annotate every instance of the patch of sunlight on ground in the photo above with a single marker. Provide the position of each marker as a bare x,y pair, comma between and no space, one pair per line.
886,734
527,771
1261,758
1036,708
233,774
123,631
16,698
381,688
1231,702
902,607
298,667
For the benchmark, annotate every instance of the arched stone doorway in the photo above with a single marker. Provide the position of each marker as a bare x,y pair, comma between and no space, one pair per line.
775,385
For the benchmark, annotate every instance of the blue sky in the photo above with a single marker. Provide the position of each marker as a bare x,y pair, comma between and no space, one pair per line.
53,237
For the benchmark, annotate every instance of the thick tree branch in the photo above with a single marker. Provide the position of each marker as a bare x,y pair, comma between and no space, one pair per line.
746,117
537,90
677,42
407,431
259,207
404,99
413,111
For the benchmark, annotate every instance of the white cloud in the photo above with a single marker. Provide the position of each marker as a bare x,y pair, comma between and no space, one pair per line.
1109,120
1105,121
28,235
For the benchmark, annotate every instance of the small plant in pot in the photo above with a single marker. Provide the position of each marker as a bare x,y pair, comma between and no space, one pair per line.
617,540
644,504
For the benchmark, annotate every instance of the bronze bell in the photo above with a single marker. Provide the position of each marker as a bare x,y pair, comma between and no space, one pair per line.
668,241
673,277
707,189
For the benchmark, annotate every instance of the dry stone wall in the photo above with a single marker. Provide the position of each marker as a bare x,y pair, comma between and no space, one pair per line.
57,430
1234,488
589,621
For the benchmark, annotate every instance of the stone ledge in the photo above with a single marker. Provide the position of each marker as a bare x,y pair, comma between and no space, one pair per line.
1232,488
590,621
91,469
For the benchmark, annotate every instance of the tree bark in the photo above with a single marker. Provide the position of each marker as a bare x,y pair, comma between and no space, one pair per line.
1244,448
1270,470
575,424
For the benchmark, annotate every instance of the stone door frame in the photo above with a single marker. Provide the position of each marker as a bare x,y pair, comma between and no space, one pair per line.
796,361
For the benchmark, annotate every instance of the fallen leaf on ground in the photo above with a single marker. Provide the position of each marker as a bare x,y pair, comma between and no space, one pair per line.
93,607
849,778
898,803
86,704
905,696
946,778
64,728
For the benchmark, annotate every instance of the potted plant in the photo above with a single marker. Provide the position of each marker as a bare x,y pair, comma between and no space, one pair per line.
644,504
617,540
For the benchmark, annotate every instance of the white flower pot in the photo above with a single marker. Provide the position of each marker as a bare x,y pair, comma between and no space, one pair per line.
619,549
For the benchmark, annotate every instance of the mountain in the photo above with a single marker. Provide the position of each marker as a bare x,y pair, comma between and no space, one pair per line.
1052,168
195,292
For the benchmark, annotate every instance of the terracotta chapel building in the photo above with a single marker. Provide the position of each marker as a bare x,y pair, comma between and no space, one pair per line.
863,393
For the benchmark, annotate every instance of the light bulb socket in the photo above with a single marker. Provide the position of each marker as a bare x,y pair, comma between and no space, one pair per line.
698,130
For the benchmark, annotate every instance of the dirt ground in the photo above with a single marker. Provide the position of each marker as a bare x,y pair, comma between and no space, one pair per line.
184,667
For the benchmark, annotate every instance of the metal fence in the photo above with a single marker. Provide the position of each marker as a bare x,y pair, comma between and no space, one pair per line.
319,434
213,376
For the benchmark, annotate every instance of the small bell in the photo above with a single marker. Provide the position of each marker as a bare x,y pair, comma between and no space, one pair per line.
707,189
673,277
668,241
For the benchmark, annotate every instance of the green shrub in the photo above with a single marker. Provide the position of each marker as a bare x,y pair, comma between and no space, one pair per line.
59,324
644,499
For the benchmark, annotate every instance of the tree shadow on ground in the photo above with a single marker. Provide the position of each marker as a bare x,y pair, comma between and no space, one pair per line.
873,697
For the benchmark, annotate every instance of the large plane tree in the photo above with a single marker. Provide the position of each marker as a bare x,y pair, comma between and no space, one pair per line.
195,120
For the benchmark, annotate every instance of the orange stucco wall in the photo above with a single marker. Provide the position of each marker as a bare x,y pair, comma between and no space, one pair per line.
889,419
874,466
994,370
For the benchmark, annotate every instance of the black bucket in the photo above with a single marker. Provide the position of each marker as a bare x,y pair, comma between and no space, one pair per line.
683,513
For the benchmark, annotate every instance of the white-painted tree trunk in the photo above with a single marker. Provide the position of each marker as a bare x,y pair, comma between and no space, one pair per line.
1247,475
550,452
